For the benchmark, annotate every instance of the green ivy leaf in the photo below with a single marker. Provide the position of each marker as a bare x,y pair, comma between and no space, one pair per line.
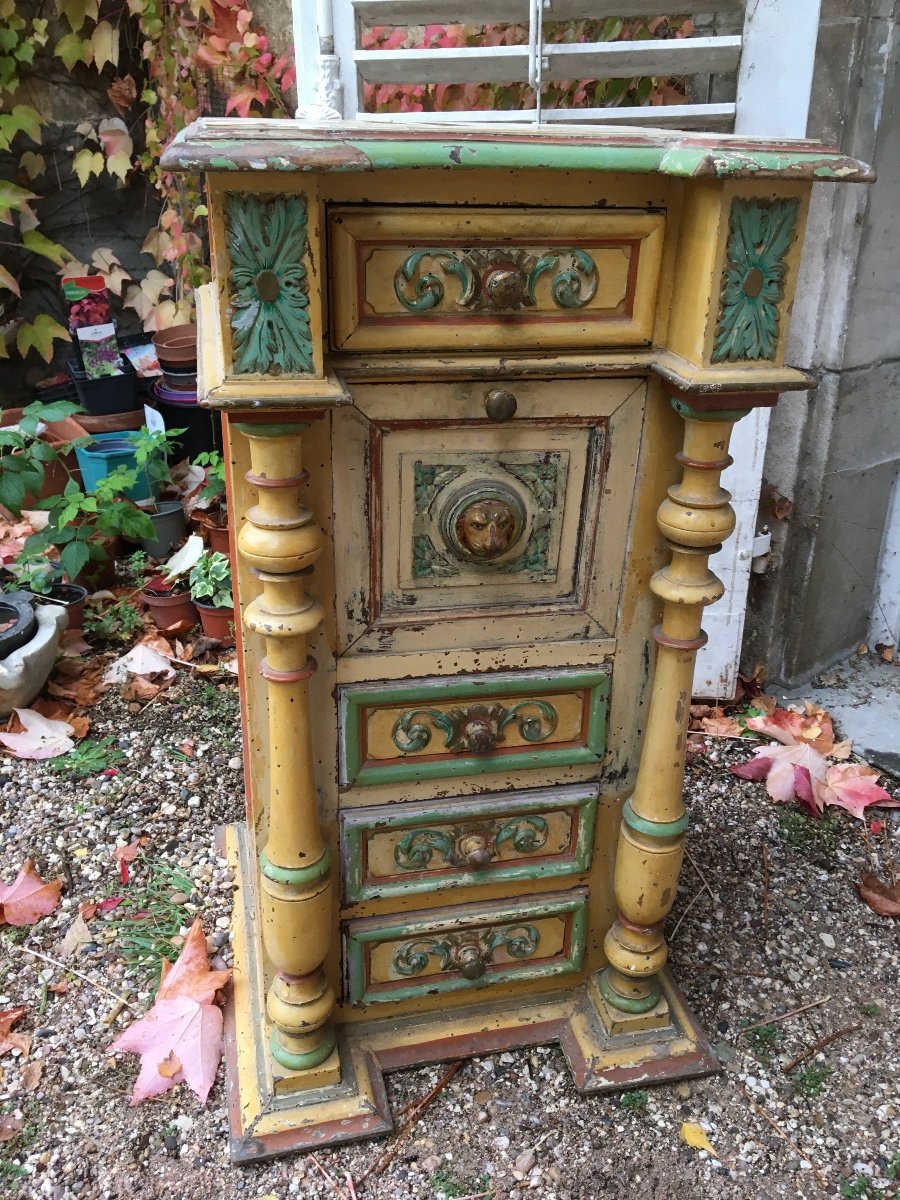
37,243
71,49
40,334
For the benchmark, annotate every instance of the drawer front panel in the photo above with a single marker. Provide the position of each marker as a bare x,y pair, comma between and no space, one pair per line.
481,278
395,850
434,728
470,947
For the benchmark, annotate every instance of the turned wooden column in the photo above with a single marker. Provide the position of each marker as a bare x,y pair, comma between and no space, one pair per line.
281,544
695,519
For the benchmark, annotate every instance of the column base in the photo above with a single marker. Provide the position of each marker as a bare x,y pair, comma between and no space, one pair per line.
274,1111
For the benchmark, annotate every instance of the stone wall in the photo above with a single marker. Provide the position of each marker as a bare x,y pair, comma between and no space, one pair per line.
835,452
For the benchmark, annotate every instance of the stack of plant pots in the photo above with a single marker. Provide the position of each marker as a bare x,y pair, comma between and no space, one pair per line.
176,393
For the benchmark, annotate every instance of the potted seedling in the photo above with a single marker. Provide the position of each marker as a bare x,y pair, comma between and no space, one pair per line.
211,592
45,580
151,450
33,449
212,519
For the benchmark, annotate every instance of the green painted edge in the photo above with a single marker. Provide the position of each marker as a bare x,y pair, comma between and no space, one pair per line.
356,940
190,151
696,414
656,829
296,876
630,1006
302,1062
352,701
284,429
356,889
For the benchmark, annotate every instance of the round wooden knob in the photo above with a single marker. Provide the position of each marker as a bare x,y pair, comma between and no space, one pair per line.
474,851
500,406
470,960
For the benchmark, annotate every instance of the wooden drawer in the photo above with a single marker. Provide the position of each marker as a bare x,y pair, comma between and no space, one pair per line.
434,728
399,849
473,946
488,278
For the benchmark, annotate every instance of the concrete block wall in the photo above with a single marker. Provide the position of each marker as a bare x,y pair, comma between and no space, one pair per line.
835,452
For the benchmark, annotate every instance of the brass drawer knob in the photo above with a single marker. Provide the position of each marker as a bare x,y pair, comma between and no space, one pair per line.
470,959
500,406
474,851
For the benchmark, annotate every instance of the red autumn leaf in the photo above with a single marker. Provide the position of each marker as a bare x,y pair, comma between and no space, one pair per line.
88,910
122,93
28,898
882,898
10,1127
110,904
784,768
180,1038
13,1041
852,786
792,728
130,852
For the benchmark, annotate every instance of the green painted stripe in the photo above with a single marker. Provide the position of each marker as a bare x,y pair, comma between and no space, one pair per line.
656,829
696,414
284,429
302,1062
630,1006
296,876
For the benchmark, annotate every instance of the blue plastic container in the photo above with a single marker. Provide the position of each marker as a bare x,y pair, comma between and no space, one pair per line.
102,455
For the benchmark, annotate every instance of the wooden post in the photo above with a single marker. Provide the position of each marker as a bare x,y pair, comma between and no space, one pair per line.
281,544
695,518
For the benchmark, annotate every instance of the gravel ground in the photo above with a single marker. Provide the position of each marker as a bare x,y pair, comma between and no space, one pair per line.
509,1125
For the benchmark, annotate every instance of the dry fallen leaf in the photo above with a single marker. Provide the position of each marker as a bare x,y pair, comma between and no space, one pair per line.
13,1041
42,738
31,1076
28,898
10,1127
180,1038
76,935
882,898
718,725
694,1135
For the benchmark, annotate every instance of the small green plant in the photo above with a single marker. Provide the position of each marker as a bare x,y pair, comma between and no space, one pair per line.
869,1008
860,1187
18,1146
221,702
446,1181
34,572
805,832
81,523
214,465
892,1170
117,622
810,1082
89,757
211,581
765,1040
151,453
635,1102
147,919
135,568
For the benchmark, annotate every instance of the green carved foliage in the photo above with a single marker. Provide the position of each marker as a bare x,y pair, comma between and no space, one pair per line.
269,287
760,234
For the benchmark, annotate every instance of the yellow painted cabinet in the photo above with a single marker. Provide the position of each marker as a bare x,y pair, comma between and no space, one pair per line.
477,388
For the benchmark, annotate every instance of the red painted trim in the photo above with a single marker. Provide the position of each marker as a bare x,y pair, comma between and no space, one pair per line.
273,676
663,639
695,464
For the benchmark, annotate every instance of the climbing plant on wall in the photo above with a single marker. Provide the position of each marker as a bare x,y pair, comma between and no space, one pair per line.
156,65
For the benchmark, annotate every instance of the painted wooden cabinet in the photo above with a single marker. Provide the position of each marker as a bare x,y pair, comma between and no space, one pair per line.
477,388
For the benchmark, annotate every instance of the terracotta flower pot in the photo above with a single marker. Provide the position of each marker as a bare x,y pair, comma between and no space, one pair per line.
71,597
176,346
217,623
171,609
218,539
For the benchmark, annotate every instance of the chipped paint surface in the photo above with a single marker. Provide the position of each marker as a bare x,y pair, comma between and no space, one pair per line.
216,145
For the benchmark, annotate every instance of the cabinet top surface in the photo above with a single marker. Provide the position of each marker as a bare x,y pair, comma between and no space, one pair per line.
279,146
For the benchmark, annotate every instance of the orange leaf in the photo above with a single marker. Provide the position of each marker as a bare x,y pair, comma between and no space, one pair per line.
10,1127
170,1066
852,786
31,1076
13,1041
28,898
122,93
881,898
130,852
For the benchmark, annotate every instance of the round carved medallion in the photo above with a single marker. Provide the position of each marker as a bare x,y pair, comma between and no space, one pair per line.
483,521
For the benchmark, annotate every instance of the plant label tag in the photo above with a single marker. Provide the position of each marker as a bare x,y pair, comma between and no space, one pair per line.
153,420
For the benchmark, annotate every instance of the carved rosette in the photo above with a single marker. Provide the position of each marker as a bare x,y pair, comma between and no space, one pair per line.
268,284
476,729
468,953
761,232
475,848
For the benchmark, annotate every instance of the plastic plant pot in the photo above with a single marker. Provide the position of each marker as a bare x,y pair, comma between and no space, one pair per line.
102,455
202,426
170,609
169,525
110,393
17,613
70,596
180,381
218,539
176,346
217,623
